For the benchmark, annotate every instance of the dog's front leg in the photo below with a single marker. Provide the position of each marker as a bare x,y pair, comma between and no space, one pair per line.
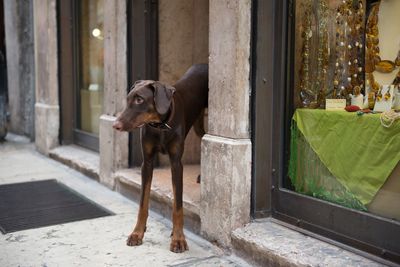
136,237
178,241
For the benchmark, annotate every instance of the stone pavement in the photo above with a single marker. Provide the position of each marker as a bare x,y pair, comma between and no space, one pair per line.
94,242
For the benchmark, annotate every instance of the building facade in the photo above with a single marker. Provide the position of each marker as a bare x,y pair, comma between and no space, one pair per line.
257,159
130,52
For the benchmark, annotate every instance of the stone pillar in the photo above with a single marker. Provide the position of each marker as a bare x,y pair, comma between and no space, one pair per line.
114,146
226,149
18,21
47,110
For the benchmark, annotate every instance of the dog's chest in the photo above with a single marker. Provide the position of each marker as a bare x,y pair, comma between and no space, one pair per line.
162,143
162,148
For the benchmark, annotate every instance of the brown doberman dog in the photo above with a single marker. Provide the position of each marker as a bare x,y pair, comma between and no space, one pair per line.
165,114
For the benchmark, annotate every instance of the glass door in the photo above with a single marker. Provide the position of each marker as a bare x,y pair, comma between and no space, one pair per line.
82,70
90,72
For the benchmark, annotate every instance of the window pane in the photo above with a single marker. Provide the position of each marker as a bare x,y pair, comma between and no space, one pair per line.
91,50
347,58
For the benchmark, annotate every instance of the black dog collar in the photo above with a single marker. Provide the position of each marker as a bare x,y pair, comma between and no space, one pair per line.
160,125
165,125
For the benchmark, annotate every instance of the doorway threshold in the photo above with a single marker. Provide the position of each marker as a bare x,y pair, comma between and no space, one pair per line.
81,159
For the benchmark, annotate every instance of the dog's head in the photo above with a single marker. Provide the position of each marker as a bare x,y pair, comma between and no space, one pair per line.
147,102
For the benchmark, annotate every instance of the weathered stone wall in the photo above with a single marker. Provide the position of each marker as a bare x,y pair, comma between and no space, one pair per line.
226,149
183,36
47,110
20,65
183,41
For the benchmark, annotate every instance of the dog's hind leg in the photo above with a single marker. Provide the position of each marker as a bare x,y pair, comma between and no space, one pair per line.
199,129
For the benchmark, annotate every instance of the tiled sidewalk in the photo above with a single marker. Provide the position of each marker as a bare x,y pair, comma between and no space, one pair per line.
95,242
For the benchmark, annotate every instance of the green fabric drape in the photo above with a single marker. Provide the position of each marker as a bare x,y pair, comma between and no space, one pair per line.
357,150
310,176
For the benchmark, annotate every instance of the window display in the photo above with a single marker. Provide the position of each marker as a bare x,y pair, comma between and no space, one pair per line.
347,58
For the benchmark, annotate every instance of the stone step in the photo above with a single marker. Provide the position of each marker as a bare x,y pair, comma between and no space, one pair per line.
268,242
78,158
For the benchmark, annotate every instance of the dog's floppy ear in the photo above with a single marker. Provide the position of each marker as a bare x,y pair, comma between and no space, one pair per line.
162,97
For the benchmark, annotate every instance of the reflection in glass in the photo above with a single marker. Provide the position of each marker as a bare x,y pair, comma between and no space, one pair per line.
91,51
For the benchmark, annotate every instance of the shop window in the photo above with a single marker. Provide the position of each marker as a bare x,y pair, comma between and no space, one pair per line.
347,57
336,84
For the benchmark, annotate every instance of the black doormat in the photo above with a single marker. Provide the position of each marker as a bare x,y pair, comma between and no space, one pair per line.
42,203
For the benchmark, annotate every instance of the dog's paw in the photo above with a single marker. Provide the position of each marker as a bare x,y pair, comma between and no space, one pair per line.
178,245
134,239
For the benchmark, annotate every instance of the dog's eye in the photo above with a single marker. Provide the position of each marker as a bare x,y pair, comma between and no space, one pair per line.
138,100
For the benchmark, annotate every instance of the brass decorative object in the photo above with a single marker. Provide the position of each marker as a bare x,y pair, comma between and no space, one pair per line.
323,51
396,81
313,80
338,83
387,95
379,94
356,21
305,82
385,66
348,72
397,61
372,43
373,61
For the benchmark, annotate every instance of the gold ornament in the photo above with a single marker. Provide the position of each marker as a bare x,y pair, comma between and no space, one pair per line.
373,61
349,48
313,82
385,66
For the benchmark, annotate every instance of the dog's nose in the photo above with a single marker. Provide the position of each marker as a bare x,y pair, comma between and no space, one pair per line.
117,125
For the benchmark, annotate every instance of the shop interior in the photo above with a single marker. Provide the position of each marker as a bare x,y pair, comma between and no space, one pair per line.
345,129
